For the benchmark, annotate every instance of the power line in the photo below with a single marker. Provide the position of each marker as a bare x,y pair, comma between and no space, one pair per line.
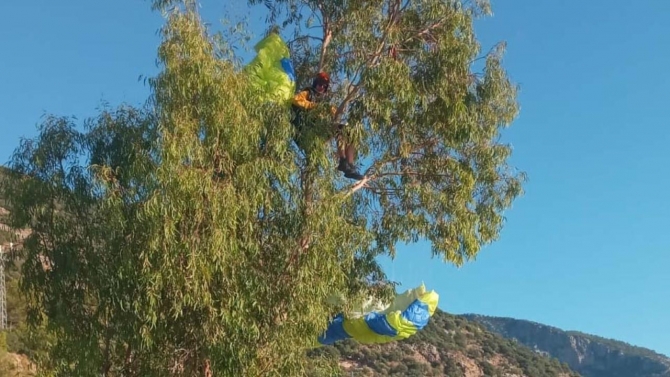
3,297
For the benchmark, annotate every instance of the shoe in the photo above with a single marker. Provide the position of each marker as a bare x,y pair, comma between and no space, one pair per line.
344,165
349,170
353,174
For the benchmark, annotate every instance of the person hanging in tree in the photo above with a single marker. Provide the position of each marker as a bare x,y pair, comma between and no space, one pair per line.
308,99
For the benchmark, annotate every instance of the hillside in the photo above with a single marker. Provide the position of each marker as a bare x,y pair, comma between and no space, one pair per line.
454,346
448,346
17,345
590,355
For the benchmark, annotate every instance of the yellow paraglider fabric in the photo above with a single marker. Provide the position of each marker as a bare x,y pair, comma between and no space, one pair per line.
271,71
409,313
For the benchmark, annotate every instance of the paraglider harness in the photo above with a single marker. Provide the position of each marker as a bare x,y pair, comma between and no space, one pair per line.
299,116
301,120
308,99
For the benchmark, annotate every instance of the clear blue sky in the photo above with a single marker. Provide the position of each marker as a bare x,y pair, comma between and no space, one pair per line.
587,248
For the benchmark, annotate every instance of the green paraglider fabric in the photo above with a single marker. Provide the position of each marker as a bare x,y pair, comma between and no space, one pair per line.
271,71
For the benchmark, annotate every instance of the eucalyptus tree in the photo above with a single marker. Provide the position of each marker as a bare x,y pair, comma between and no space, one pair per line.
192,237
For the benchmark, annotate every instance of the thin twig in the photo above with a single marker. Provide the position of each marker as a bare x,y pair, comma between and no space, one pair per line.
393,16
359,185
299,38
491,50
327,34
427,29
354,89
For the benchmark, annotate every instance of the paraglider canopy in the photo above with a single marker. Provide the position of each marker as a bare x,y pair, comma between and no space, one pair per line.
409,312
271,72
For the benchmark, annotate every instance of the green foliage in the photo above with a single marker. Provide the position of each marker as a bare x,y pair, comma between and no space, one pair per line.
428,122
190,236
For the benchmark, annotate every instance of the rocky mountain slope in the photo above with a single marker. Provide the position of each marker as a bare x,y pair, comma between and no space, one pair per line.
448,346
589,355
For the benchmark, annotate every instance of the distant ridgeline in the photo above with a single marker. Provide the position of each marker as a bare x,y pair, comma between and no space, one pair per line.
590,355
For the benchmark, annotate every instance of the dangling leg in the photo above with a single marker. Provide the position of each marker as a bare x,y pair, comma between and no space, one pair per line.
347,156
342,155
350,153
350,156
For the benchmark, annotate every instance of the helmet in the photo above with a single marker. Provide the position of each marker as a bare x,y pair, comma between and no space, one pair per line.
321,78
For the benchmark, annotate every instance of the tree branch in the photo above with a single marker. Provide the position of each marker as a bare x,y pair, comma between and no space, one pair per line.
207,369
490,51
327,34
428,29
394,12
107,365
127,359
352,91
304,37
359,185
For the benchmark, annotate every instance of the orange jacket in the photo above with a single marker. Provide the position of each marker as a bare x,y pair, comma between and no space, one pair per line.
303,101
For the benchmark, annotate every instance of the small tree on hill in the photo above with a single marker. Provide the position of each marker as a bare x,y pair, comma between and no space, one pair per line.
191,238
